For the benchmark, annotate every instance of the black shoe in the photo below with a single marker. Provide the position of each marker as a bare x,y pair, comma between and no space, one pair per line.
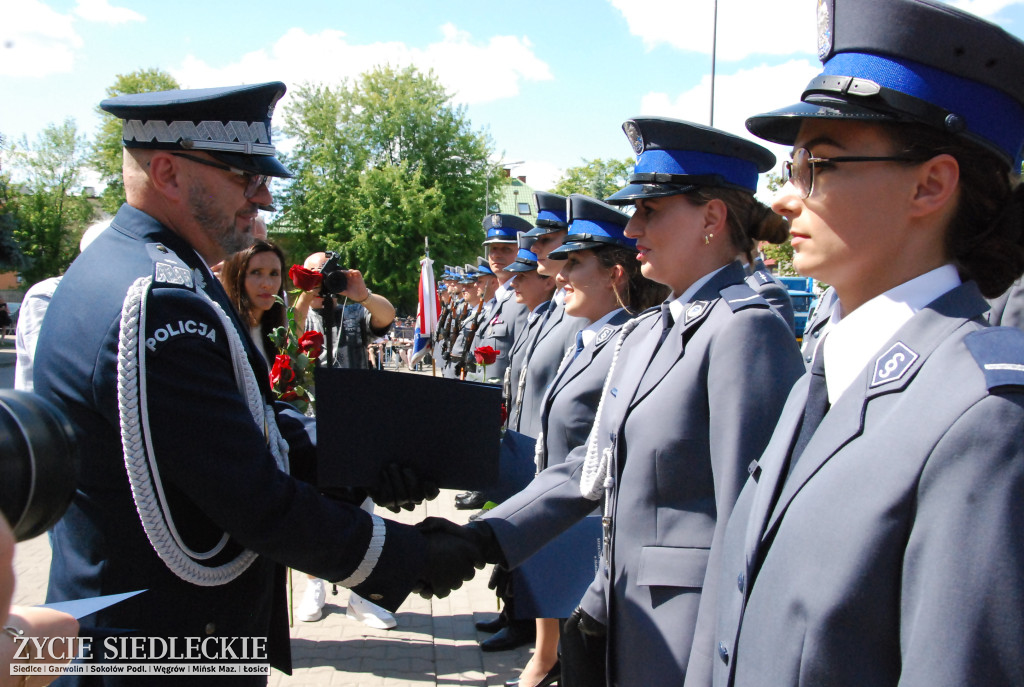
470,500
553,677
492,626
511,637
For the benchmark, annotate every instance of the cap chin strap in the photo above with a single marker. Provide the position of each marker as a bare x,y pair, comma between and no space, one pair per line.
140,459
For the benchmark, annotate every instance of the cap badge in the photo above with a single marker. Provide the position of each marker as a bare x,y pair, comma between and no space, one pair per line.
824,30
893,364
636,139
496,221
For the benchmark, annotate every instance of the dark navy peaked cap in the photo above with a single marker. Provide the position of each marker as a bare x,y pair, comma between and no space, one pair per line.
551,215
592,224
526,259
232,123
504,228
673,157
483,267
912,61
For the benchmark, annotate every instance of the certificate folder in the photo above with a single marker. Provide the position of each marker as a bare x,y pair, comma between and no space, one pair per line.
516,466
446,430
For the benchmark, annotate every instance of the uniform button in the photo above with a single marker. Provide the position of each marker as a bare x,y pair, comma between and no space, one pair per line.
739,582
807,358
376,597
210,628
723,652
817,333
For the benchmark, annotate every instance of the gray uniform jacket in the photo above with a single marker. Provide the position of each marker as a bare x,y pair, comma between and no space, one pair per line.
761,280
815,328
1008,309
470,323
557,334
498,330
681,432
518,356
892,554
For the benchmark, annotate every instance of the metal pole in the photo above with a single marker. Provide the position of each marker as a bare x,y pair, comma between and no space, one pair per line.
714,45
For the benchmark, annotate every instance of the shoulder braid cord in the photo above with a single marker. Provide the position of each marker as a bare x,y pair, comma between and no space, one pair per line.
597,469
140,460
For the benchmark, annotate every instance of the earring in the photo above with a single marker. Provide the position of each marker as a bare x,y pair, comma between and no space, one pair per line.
707,239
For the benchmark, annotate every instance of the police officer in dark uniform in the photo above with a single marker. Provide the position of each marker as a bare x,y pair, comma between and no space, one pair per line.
878,539
185,488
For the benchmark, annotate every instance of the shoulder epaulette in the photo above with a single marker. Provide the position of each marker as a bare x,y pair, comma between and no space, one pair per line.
169,269
740,296
999,352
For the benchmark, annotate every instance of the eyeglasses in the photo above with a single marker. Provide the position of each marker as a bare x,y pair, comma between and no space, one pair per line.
252,181
800,170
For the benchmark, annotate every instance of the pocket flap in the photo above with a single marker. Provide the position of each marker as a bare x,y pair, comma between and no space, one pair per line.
662,566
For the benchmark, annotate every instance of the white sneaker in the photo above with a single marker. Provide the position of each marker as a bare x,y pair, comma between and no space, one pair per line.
369,613
310,609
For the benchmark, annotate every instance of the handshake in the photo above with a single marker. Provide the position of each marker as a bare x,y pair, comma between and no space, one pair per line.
454,554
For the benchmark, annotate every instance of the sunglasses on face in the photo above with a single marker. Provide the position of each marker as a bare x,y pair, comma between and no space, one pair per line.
253,182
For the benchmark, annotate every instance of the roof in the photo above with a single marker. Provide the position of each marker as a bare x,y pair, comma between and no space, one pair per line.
509,197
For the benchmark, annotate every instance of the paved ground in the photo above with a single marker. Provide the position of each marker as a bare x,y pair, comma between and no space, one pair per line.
435,642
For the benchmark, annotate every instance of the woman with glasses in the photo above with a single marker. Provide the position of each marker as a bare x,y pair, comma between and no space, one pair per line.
878,540
253,279
693,393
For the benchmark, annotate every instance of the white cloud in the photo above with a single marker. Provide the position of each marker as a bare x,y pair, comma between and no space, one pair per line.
36,41
984,8
745,27
540,175
101,11
472,71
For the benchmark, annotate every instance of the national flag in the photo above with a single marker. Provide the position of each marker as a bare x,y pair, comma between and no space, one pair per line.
427,312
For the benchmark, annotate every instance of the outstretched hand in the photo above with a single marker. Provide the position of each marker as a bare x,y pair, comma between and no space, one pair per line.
454,554
401,488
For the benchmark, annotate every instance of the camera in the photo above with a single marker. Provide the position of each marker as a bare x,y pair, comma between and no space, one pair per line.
335,277
38,463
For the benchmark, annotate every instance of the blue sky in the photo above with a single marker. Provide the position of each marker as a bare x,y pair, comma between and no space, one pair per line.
551,82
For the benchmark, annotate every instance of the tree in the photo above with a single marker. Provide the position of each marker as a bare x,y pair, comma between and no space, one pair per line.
595,178
105,156
381,163
50,219
781,253
10,254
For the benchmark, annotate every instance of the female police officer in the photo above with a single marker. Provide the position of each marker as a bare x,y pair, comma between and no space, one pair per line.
679,418
879,544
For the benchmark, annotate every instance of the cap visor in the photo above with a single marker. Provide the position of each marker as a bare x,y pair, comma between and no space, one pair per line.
543,231
256,164
520,267
627,195
562,252
490,241
783,125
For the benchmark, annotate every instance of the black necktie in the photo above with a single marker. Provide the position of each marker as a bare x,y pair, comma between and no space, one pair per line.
814,411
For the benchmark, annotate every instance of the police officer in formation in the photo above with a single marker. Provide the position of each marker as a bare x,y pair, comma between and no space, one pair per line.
878,539
683,409
204,521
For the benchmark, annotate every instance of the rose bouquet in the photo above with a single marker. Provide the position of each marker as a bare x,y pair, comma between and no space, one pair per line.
291,376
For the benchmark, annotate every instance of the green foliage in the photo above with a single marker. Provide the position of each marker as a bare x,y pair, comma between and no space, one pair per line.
10,253
596,178
105,153
50,219
380,164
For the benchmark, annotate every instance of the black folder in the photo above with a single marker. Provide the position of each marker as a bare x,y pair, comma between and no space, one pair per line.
447,430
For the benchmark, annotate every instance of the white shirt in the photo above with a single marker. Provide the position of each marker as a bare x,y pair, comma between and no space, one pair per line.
30,318
852,341
678,306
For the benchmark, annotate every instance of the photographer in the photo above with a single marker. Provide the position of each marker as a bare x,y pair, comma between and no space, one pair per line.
356,324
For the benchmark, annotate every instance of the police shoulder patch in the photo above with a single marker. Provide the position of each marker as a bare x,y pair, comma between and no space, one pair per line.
168,268
999,352
740,296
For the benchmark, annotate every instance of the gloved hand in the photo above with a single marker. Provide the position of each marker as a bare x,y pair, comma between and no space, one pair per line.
478,533
400,488
584,623
452,558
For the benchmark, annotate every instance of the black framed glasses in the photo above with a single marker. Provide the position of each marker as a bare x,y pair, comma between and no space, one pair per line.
252,181
800,170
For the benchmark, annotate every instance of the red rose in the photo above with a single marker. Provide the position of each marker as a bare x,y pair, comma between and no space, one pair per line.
304,279
289,396
485,355
281,374
311,343
504,414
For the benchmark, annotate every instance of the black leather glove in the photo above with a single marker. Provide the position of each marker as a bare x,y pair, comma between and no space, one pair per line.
351,495
585,624
452,558
400,488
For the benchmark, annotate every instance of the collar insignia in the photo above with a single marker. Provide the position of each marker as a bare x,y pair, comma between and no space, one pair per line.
893,364
605,333
694,311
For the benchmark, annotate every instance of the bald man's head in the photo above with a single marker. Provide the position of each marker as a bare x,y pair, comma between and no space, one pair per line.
315,261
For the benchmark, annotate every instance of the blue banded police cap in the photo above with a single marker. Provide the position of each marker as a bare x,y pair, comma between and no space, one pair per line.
501,228
526,259
918,61
673,157
231,123
551,213
593,225
484,267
